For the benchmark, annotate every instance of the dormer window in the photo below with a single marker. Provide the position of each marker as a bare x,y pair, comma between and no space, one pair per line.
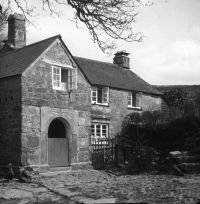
135,100
63,78
100,95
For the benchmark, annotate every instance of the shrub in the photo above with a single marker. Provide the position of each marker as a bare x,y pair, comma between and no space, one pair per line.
144,159
175,99
148,133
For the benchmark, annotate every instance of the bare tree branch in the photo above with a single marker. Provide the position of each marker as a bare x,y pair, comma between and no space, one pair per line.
111,18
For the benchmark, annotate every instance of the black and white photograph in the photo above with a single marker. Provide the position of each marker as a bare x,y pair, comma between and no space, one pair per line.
99,101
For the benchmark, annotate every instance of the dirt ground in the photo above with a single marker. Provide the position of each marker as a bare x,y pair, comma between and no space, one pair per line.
92,186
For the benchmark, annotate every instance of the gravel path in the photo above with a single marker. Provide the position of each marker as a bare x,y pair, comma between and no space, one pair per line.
91,186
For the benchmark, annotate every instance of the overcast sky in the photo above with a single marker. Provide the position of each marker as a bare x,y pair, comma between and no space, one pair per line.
170,53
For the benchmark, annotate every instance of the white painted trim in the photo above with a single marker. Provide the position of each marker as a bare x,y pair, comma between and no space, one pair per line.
101,130
55,87
101,104
93,91
135,107
130,96
96,91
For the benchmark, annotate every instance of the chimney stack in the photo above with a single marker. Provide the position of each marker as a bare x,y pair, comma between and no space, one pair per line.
121,59
16,30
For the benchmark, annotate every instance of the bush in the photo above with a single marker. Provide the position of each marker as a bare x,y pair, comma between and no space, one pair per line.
175,134
144,159
148,133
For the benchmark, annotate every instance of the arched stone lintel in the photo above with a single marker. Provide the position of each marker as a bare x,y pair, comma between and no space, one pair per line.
47,116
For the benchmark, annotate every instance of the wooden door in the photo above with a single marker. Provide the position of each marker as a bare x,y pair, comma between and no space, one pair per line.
57,152
57,144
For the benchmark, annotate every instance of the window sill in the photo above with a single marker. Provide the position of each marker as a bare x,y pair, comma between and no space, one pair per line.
62,92
134,108
99,140
59,89
101,104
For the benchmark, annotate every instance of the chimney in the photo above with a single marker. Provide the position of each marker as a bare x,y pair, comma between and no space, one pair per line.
16,30
121,59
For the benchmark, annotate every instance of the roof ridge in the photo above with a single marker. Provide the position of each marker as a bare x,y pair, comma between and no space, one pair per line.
96,61
14,51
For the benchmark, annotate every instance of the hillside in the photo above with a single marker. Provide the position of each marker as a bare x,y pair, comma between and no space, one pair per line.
192,90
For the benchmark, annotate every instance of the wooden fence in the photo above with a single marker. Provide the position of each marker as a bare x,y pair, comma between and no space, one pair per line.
103,152
107,153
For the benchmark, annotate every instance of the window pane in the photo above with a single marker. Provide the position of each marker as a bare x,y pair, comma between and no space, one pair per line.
104,130
70,78
105,95
130,98
98,130
104,133
134,99
139,99
94,99
56,77
99,93
92,130
94,94
104,127
64,75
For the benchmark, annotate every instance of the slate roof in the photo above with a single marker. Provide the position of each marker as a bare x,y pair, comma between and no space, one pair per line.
96,72
15,62
111,75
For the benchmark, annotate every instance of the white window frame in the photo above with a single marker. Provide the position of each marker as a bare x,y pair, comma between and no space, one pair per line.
72,78
102,135
94,95
130,97
53,80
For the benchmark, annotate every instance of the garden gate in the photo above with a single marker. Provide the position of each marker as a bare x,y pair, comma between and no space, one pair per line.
103,152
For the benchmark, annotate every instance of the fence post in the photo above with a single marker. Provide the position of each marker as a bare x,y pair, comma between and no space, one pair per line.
101,161
94,153
106,151
116,151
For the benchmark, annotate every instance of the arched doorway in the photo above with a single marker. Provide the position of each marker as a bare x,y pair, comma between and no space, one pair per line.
58,143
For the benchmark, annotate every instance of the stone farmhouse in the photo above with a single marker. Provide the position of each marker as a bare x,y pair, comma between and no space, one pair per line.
52,103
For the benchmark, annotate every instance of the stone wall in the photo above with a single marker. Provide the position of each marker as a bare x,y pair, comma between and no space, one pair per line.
151,102
39,97
28,104
10,120
118,109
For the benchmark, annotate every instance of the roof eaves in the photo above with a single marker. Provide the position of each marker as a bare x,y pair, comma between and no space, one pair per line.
126,89
153,90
